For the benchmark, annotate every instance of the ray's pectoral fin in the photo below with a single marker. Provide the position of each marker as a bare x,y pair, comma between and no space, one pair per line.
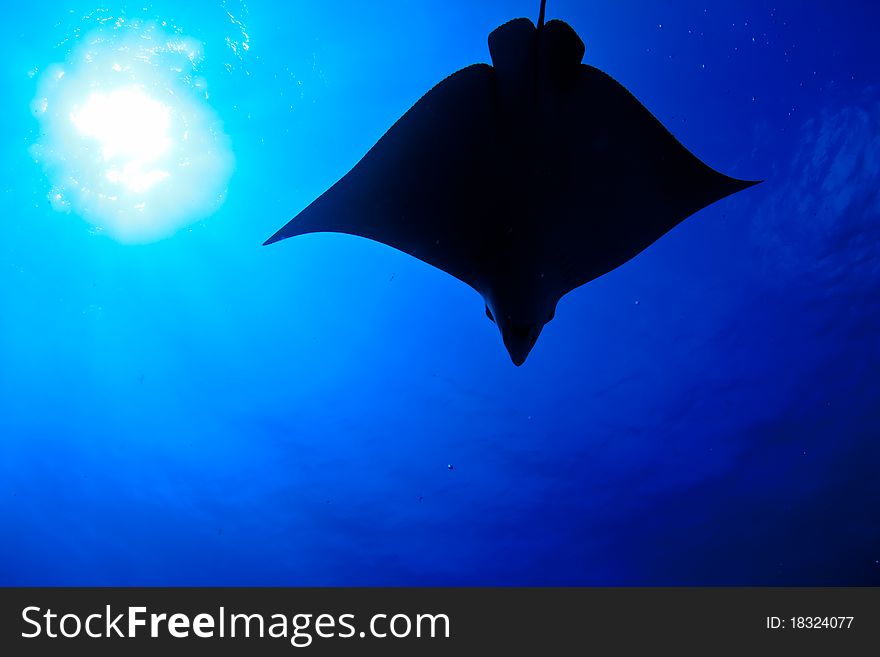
610,158
422,188
489,314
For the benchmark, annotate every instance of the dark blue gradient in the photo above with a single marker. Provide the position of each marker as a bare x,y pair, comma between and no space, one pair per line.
203,410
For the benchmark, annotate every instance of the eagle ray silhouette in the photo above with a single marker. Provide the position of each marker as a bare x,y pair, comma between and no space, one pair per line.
524,179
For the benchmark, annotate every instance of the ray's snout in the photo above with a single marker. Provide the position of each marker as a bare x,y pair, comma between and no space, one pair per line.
519,340
520,321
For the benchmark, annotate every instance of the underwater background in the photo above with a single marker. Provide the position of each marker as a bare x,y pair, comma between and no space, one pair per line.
182,406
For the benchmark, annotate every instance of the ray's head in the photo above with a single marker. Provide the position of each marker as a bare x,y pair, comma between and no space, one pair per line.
519,338
520,321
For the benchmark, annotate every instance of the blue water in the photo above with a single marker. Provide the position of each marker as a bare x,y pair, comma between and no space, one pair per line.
199,409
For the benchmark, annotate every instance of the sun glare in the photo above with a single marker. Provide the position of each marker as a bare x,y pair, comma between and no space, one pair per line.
132,131
128,139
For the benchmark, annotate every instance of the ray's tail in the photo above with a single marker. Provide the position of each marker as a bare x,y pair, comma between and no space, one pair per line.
541,14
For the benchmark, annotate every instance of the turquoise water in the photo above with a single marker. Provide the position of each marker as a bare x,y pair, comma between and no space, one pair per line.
180,405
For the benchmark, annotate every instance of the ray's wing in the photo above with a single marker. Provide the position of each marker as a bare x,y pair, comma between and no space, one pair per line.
426,185
614,178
